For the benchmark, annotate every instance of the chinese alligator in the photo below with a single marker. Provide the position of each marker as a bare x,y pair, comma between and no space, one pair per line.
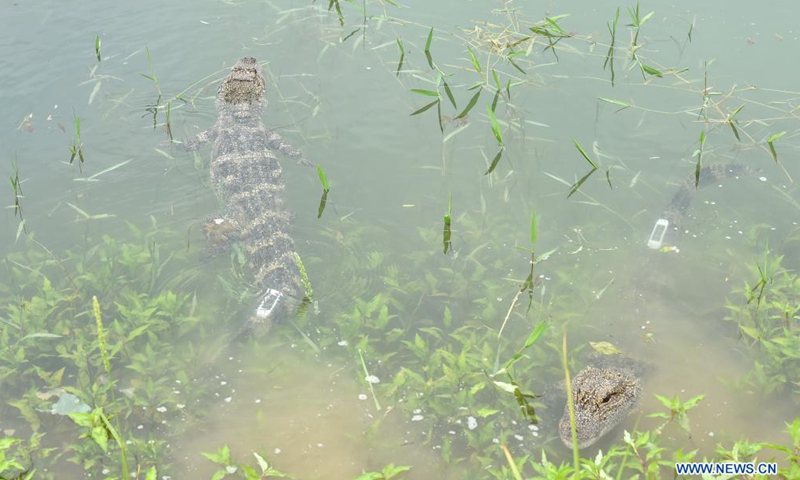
249,182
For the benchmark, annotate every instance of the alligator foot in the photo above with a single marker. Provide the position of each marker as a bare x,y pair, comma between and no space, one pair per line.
220,234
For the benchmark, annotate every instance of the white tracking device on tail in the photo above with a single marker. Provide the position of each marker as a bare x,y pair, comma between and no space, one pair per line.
656,239
268,304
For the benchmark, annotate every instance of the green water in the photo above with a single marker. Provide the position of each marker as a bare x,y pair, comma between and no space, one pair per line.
392,176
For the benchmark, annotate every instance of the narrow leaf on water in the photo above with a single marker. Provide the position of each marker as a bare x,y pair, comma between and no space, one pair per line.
474,60
615,102
97,47
428,93
494,100
346,37
494,162
772,146
652,71
402,55
323,179
470,104
322,202
534,228
449,93
439,115
580,182
583,153
428,42
498,135
425,108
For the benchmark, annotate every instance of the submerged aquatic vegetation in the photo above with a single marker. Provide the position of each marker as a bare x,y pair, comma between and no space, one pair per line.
767,313
122,371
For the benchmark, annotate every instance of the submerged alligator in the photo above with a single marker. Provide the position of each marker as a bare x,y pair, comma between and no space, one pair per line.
603,394
671,219
249,181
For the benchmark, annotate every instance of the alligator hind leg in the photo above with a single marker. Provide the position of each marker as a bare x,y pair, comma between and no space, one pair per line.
220,234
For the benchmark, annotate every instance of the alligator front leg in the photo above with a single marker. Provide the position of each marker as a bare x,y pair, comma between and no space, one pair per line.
196,142
220,234
276,143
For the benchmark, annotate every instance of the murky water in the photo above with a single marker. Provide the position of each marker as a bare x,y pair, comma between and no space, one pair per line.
392,176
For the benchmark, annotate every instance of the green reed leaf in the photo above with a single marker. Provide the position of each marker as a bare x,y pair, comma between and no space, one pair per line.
498,135
474,60
495,161
425,108
584,155
470,104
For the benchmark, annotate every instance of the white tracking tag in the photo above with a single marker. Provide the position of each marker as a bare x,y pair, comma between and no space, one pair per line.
656,239
268,304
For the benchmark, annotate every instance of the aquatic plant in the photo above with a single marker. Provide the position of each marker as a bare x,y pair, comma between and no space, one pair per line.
766,314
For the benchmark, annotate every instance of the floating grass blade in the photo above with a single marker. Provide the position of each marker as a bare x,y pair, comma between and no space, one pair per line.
498,135
93,178
612,29
428,48
584,155
449,93
699,165
495,99
474,60
495,161
622,104
446,231
76,149
425,108
534,228
552,32
152,77
470,104
771,144
322,202
16,185
439,116
732,122
97,47
335,4
428,93
168,124
346,37
402,56
651,71
323,179
577,185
